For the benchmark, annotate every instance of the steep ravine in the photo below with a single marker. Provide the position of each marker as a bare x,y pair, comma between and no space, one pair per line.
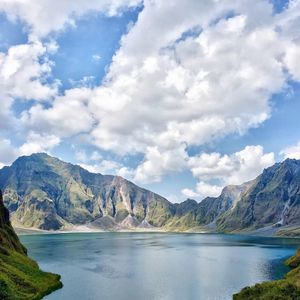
46,193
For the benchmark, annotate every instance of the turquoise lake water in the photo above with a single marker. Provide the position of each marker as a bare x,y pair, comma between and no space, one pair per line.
150,266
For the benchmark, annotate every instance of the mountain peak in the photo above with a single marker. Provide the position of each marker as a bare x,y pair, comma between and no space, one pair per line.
62,194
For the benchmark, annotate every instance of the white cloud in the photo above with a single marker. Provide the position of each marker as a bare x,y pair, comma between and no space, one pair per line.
104,167
202,190
231,169
291,152
96,58
189,83
191,90
207,190
66,117
35,143
23,70
160,162
38,143
7,152
236,168
43,17
189,193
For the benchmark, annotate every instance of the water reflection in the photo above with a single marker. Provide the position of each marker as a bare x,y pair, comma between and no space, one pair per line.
158,266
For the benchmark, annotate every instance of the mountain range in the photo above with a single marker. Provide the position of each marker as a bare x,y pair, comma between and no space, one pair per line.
44,192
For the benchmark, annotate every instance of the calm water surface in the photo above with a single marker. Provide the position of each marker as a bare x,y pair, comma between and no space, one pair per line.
154,266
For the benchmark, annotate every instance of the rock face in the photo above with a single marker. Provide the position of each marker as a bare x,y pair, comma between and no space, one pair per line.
8,238
273,199
20,277
44,192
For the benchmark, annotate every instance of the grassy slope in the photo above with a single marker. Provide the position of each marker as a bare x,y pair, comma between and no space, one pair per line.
287,288
20,277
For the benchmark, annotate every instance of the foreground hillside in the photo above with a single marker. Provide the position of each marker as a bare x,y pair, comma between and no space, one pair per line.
20,277
287,288
46,193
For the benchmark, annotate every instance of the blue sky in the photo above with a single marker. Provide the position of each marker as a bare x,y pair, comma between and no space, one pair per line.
181,97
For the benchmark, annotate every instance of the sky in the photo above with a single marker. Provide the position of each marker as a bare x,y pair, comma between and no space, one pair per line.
181,97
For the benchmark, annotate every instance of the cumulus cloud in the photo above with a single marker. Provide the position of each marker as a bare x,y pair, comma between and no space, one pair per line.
205,86
67,116
232,169
103,167
189,193
236,168
23,70
189,83
207,69
38,143
157,164
43,17
35,143
7,152
291,152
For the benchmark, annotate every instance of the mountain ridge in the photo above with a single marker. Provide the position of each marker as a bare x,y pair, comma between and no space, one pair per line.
46,193
61,193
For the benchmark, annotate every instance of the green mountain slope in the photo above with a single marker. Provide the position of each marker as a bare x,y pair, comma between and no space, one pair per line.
44,192
272,200
20,277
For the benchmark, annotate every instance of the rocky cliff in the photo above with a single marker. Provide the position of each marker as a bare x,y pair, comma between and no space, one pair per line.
273,199
44,192
20,277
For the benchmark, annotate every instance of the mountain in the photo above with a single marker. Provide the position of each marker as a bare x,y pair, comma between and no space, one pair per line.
273,199
44,192
192,215
20,277
267,205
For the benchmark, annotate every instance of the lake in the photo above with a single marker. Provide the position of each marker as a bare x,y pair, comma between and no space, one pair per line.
157,265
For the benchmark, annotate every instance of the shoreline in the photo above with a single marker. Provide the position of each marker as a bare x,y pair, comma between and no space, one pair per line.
22,231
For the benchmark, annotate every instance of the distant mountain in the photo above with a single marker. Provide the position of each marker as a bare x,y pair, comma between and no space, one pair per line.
20,277
267,205
44,192
273,199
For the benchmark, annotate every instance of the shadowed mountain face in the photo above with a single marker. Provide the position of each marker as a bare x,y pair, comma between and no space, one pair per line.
8,238
20,277
44,192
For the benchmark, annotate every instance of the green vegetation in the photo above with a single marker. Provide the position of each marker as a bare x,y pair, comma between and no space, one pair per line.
287,288
46,193
20,277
